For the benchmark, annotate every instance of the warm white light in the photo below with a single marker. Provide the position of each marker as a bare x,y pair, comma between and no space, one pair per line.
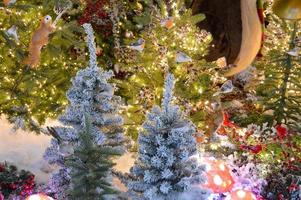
222,167
241,193
39,197
201,90
34,197
217,180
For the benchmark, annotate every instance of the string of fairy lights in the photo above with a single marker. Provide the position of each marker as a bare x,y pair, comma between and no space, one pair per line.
187,39
184,37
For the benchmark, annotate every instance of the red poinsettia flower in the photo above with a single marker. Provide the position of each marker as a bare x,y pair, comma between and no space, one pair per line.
252,148
227,122
281,131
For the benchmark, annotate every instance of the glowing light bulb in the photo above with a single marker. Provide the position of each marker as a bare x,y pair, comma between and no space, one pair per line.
217,180
201,91
241,194
38,197
222,167
34,197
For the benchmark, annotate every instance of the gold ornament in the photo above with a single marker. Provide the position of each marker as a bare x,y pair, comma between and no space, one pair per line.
139,6
288,9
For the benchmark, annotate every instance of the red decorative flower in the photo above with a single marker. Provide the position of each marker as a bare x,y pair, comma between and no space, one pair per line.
227,122
252,148
281,131
1,196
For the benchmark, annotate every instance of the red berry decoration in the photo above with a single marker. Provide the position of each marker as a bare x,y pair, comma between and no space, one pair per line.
281,132
39,197
14,182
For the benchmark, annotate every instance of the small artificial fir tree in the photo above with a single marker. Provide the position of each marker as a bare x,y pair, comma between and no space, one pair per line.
90,165
165,168
92,94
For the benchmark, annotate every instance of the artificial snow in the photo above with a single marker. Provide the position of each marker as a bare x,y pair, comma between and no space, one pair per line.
24,150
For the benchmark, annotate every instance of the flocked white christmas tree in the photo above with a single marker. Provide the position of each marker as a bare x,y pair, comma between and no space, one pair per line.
92,94
166,167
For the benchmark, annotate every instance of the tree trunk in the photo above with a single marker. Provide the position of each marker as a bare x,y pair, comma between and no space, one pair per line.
223,21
